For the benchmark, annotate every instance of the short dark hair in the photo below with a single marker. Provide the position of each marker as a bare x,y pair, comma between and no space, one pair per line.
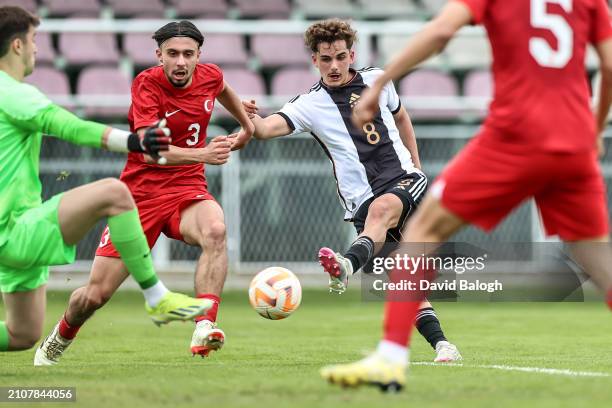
178,29
14,22
328,31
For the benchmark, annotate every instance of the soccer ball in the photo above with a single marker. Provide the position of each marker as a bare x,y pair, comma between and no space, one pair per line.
275,293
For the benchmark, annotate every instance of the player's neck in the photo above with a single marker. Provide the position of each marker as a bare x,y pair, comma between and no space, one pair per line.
15,70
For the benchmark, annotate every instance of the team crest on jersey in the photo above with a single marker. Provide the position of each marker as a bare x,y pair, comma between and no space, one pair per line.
208,105
354,99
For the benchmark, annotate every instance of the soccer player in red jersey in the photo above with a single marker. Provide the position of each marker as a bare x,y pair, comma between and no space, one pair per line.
538,141
173,198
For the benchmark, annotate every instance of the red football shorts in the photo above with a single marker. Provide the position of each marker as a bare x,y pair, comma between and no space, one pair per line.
157,215
490,177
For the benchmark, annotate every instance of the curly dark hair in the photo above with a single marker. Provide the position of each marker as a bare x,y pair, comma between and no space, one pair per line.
328,31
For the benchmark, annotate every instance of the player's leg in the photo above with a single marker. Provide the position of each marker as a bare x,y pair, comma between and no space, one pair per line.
480,186
203,224
107,274
595,257
386,367
25,314
79,210
428,325
575,208
381,214
374,221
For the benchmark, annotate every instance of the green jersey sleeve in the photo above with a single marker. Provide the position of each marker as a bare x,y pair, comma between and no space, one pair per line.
58,122
23,101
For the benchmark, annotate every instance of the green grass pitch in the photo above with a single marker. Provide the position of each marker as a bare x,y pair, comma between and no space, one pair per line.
120,359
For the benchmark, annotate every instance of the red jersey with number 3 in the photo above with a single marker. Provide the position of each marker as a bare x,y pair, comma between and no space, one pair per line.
187,111
542,96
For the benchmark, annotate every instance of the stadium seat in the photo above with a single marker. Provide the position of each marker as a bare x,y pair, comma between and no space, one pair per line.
64,8
389,45
427,83
246,83
29,5
293,81
46,53
87,48
270,9
389,9
140,48
98,84
324,8
275,50
224,49
479,84
465,52
150,8
199,8
50,81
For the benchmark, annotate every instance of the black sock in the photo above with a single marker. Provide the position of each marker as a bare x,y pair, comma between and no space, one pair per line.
428,325
360,252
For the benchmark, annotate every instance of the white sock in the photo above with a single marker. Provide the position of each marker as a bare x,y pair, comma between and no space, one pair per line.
393,352
155,293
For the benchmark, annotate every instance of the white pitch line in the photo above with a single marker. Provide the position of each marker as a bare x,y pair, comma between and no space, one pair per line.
551,371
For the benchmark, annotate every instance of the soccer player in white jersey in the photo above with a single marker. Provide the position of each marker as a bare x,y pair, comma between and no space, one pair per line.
376,167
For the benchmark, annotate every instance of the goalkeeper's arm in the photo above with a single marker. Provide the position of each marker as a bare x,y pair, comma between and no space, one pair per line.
60,123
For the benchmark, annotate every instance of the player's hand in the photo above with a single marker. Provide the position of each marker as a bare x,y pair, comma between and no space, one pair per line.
601,148
366,108
250,107
218,150
152,141
241,138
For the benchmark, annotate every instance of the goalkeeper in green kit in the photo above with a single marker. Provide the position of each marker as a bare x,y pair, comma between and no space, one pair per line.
33,234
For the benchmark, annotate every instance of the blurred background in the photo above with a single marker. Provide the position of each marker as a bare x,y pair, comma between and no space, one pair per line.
279,196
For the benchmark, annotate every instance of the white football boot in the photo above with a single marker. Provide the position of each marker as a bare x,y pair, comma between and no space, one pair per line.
51,349
206,337
447,353
338,267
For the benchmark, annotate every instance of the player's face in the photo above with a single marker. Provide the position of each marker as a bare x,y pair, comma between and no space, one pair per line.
333,61
28,57
179,57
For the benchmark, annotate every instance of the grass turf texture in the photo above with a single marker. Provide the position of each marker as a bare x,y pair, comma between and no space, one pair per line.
121,359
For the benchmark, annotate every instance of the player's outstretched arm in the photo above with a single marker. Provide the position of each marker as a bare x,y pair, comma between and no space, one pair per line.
60,123
430,40
268,127
604,50
230,100
216,152
406,131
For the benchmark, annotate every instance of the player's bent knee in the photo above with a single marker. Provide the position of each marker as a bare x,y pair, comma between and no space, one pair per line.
25,340
214,234
117,195
382,212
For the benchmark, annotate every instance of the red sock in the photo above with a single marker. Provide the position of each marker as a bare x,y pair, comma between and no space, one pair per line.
401,308
609,299
211,315
66,330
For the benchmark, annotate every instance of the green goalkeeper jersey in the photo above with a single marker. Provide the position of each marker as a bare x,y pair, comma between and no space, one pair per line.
25,114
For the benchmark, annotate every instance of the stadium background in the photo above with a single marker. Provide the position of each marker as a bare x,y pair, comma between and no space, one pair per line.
279,196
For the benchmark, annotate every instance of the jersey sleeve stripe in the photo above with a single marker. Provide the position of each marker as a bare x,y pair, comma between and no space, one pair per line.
289,122
399,106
